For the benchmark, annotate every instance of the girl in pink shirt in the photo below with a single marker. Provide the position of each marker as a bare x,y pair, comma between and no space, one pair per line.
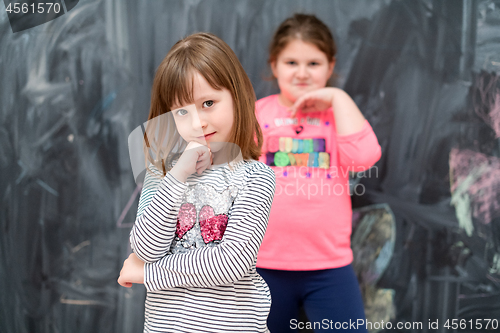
314,136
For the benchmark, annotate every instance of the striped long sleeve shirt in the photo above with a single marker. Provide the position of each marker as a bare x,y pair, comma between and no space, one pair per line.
199,241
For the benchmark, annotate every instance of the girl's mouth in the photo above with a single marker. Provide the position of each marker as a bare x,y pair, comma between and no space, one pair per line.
207,136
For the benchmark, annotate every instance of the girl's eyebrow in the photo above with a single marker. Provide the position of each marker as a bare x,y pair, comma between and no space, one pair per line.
206,97
295,59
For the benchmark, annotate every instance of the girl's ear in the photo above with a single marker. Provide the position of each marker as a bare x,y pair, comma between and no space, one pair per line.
331,66
273,69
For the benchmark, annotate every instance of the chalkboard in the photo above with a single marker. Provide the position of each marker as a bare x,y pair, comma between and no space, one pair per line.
425,73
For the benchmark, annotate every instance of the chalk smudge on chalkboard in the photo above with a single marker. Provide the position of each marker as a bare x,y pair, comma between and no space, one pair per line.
129,204
475,187
486,100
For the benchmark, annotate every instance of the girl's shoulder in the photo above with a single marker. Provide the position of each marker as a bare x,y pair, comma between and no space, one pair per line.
152,175
153,170
253,168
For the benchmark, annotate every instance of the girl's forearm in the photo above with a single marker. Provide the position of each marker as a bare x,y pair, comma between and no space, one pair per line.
348,117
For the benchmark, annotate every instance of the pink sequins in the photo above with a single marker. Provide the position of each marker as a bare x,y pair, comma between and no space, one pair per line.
206,212
212,227
185,219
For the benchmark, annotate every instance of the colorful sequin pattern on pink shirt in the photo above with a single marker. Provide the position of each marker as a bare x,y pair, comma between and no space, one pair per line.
286,151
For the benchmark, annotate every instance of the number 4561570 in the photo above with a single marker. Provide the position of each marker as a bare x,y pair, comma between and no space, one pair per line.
477,324
30,8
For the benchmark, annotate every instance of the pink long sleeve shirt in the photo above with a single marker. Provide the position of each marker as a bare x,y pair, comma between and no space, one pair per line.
310,221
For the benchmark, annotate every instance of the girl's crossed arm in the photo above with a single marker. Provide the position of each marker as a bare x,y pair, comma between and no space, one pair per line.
222,264
348,118
234,256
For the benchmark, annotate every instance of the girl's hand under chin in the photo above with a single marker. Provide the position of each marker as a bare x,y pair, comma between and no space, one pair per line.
196,158
313,101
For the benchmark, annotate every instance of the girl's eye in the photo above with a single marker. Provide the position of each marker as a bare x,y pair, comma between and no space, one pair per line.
291,62
208,104
181,112
314,63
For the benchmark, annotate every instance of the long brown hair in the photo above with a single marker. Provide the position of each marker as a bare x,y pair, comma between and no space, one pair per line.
210,56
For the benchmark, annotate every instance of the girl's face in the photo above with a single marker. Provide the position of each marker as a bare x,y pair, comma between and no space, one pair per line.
210,118
299,68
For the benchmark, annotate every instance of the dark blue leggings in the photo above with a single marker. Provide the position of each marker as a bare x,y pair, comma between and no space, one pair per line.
331,299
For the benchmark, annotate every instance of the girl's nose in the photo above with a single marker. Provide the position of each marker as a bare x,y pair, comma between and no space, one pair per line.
302,72
202,120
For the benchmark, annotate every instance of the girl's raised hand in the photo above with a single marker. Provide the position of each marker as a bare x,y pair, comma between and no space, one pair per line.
132,271
313,101
195,158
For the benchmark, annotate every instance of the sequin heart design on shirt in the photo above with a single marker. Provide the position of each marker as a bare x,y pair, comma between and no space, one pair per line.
185,219
212,226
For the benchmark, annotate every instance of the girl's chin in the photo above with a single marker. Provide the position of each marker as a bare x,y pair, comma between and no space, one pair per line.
301,91
296,94
216,146
202,142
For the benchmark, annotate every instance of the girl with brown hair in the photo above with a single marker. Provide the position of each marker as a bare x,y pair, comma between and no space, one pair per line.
203,213
314,136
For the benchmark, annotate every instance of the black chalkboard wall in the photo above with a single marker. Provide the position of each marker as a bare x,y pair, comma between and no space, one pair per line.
425,73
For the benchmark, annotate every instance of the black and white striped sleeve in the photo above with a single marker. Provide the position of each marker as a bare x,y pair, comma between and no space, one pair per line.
234,256
154,229
151,183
